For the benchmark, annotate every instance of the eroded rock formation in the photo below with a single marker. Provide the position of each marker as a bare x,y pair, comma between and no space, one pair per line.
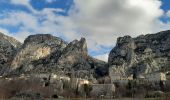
44,53
36,47
8,48
141,55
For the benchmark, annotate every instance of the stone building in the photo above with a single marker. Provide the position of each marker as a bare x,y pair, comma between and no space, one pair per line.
156,77
117,77
77,82
114,75
99,90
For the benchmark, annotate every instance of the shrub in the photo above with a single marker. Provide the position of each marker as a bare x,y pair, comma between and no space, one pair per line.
18,87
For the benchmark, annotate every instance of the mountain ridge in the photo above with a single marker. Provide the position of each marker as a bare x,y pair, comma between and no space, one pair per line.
45,53
141,55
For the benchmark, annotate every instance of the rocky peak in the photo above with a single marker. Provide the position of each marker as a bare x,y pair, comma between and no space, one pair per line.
81,45
126,41
144,54
8,48
10,40
36,47
74,55
44,53
73,58
121,53
46,39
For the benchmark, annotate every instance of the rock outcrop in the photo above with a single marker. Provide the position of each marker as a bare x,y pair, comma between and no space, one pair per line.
74,56
8,48
141,55
45,54
36,47
73,61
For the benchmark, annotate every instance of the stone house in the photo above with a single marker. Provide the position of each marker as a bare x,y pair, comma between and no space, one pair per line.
117,77
155,77
76,83
106,90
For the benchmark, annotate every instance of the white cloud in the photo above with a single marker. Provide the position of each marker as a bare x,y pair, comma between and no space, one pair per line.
29,23
24,3
104,21
168,13
19,18
2,30
100,21
21,2
50,1
6,32
24,21
103,57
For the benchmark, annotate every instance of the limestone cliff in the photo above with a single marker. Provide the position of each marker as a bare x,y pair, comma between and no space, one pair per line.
140,55
36,47
44,53
72,61
8,48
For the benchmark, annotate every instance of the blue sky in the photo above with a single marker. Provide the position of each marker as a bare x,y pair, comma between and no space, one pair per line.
165,5
99,21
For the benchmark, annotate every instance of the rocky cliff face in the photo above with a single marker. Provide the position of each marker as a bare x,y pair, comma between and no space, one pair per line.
73,61
74,56
140,55
8,48
44,53
36,47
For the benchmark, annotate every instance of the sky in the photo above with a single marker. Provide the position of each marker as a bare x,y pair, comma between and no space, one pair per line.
101,22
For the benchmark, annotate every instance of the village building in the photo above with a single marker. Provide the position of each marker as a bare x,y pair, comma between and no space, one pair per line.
155,77
151,77
77,82
118,78
106,90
